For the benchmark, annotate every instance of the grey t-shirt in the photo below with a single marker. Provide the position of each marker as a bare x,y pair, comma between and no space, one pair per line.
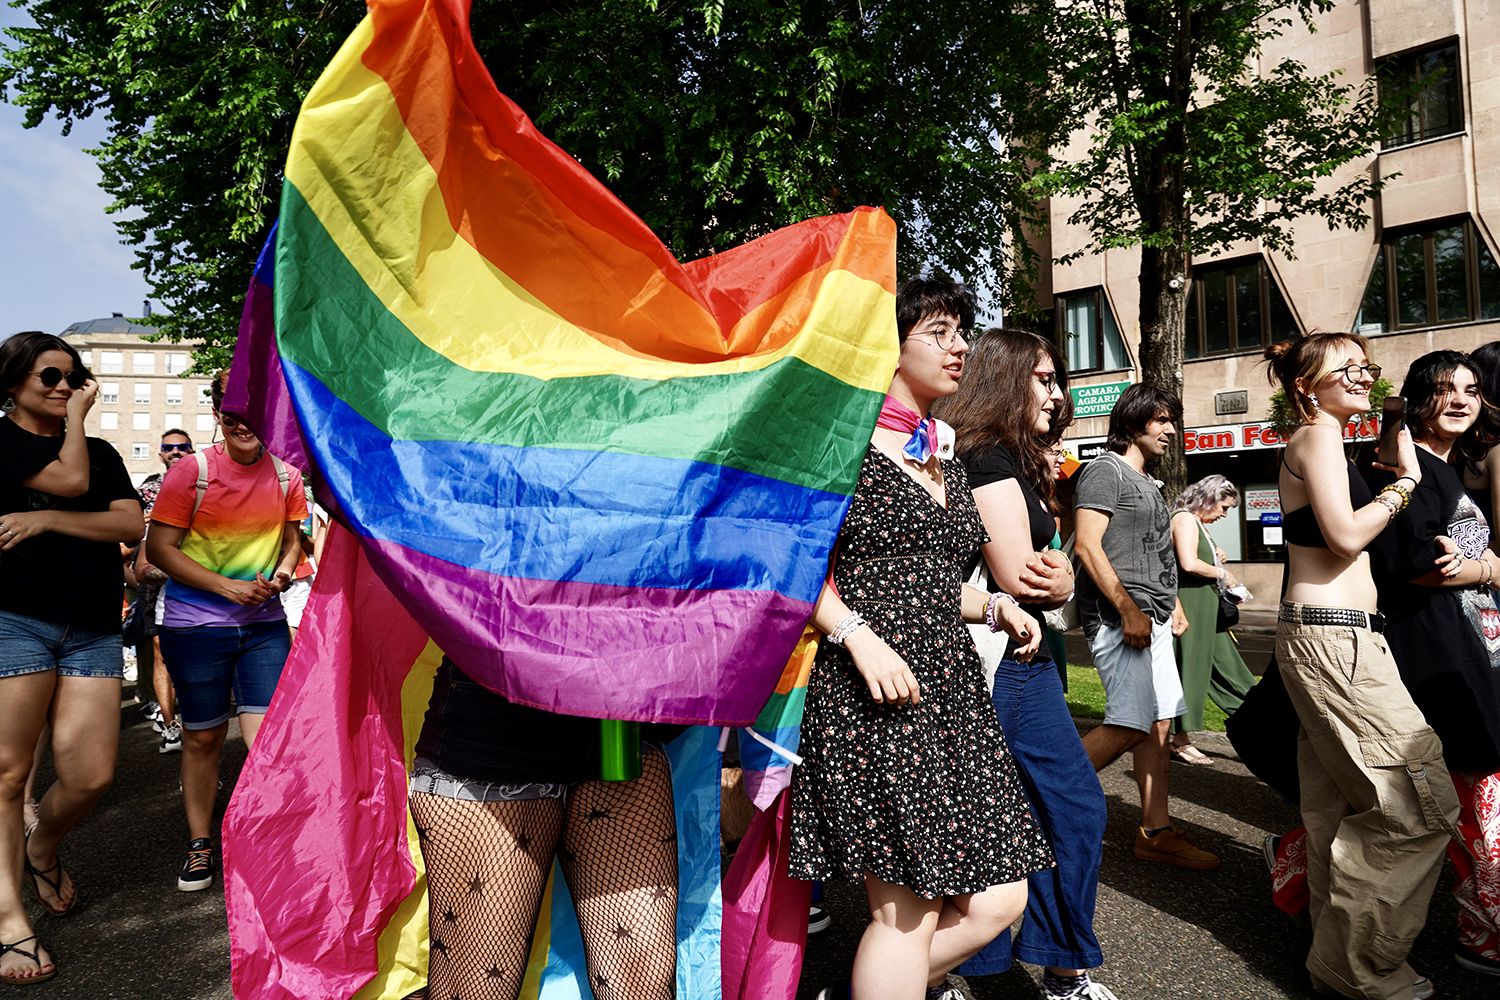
1138,542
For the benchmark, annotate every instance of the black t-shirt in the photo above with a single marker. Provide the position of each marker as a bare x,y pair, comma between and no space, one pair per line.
996,466
472,732
56,577
1446,641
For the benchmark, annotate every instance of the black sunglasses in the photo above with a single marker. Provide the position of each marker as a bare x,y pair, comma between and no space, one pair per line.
50,376
172,446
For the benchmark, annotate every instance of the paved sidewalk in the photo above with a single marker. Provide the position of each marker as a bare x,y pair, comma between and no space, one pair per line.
1166,933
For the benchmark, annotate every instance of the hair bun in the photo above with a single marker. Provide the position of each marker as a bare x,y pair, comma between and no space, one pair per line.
1278,350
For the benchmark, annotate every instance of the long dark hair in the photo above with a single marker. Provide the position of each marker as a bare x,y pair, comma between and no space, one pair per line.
1428,381
994,404
19,352
1486,358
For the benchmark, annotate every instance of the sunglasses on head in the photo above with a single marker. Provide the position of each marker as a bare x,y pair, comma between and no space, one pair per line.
185,446
50,376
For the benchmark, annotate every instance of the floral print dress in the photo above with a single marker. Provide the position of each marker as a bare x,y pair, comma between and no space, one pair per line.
926,796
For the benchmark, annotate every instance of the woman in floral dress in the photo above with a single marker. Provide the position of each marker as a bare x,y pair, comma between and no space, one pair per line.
907,783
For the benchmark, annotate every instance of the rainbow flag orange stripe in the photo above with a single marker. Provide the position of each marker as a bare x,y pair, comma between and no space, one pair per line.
574,458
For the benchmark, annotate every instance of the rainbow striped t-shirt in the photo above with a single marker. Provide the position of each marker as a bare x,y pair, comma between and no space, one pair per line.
235,533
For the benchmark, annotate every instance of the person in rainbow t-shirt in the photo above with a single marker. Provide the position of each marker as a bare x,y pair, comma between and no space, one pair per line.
225,529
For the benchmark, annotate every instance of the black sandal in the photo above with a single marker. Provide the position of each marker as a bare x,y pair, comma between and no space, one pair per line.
34,955
45,875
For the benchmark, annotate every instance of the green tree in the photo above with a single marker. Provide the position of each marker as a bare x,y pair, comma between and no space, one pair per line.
1190,149
715,122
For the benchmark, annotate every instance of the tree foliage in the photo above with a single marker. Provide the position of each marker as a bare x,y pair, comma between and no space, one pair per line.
1192,144
715,122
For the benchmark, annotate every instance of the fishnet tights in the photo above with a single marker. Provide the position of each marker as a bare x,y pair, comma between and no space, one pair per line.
487,866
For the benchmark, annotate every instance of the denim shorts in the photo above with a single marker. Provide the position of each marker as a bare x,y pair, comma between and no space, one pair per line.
208,662
1141,686
31,646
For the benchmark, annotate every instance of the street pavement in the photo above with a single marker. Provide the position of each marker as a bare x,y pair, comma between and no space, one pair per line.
1165,932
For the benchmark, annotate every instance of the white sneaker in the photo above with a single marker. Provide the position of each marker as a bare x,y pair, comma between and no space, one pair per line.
1089,991
171,738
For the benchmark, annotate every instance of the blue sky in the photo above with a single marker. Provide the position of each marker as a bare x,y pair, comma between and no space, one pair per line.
60,259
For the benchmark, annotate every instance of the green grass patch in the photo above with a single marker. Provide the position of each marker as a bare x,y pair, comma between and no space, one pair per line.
1086,698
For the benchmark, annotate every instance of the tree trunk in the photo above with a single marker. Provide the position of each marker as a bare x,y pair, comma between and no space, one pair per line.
1163,45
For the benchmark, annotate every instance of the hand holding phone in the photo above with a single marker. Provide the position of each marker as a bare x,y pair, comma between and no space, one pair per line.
1392,415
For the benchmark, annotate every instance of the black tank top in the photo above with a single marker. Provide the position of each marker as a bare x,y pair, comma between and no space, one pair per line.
1300,526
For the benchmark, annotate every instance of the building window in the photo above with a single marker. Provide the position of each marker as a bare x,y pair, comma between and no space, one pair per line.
1426,83
205,398
171,420
109,421
174,395
143,363
140,450
1087,332
142,393
109,392
177,363
1435,275
205,423
140,421
1235,307
112,362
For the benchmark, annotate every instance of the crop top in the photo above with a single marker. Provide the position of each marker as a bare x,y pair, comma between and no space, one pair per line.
1300,526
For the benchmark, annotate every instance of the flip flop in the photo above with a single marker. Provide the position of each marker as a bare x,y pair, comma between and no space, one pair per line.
55,884
1189,754
34,954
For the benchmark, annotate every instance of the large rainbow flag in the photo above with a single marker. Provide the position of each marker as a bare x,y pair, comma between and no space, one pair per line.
606,482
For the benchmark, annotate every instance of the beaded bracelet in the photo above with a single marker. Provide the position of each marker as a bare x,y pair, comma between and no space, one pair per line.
846,628
990,617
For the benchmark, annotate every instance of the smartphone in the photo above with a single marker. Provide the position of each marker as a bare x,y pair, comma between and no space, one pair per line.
1392,414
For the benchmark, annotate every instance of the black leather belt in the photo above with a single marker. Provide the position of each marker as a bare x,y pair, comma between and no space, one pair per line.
1305,615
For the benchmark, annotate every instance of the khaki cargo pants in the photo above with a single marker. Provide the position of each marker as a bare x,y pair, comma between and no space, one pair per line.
1377,801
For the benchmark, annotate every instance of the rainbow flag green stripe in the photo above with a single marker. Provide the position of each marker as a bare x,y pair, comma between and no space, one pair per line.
669,418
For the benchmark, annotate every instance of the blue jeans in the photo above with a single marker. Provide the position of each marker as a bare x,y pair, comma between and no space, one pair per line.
32,646
1064,792
208,661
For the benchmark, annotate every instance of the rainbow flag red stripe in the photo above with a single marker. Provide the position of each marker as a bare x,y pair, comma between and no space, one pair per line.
606,482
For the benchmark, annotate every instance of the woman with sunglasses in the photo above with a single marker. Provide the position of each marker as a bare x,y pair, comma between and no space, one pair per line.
906,784
66,504
229,542
1002,416
1377,800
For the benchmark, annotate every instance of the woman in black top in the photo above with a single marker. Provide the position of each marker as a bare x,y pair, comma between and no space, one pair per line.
1444,629
497,791
1002,417
66,504
1377,800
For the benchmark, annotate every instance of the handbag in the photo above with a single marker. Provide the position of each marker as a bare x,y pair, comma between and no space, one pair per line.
991,645
1229,609
1229,613
1064,618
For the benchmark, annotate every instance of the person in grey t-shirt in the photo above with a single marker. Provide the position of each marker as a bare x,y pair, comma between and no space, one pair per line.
1127,601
